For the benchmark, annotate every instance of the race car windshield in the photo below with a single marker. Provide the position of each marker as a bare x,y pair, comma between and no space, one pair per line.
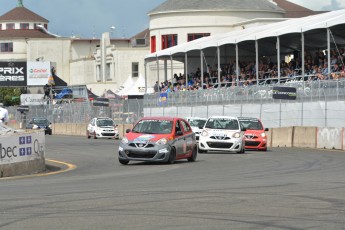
40,121
197,122
153,127
231,124
105,122
251,124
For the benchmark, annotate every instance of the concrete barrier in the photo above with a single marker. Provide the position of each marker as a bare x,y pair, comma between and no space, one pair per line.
330,138
22,153
282,137
304,137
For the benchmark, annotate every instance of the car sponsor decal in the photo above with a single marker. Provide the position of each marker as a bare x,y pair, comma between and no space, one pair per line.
143,138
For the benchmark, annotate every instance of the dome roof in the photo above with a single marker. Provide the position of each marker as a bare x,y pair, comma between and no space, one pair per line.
216,5
22,14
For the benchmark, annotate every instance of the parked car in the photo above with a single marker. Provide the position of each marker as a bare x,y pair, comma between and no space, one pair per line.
197,124
158,139
102,127
222,133
255,136
40,123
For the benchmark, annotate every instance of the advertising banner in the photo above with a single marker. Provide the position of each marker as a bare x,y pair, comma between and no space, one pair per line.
101,101
33,99
284,93
22,147
38,73
163,99
13,74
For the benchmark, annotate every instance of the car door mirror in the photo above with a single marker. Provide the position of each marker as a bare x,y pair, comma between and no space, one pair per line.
179,133
201,127
128,130
243,129
266,129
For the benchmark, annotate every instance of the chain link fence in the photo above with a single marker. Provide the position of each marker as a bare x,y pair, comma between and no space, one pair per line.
318,103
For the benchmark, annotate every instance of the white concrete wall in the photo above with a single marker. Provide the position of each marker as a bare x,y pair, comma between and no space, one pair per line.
54,50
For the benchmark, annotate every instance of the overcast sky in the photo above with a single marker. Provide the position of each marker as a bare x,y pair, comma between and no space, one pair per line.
90,18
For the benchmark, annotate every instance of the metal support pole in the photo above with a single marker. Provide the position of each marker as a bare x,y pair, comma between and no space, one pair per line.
237,67
202,68
218,57
329,52
257,61
145,66
278,58
186,68
303,51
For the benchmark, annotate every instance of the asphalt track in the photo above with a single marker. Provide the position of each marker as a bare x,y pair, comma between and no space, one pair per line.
87,188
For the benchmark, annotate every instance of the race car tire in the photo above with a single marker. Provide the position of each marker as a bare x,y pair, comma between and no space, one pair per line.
172,156
192,158
123,161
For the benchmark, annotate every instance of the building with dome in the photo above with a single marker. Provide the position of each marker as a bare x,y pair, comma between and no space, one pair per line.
106,63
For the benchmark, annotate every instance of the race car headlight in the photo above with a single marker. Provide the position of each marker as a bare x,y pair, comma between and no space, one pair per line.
34,127
204,133
263,134
236,135
124,140
162,141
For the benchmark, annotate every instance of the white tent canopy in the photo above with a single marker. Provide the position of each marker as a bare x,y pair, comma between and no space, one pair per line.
126,86
138,88
288,27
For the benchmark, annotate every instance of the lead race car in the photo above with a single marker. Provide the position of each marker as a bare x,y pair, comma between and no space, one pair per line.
158,139
222,133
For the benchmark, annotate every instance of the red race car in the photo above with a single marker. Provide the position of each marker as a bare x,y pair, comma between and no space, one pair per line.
255,136
158,139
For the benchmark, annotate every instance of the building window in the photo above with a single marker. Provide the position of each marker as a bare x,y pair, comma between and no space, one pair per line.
6,47
169,40
192,37
10,26
153,44
24,26
107,71
135,69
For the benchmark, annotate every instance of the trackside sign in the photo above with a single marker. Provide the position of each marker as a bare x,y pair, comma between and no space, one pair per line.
13,74
21,147
284,93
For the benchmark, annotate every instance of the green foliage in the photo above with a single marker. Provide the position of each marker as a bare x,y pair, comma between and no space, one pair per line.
10,96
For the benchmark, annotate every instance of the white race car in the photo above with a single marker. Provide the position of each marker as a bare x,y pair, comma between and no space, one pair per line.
102,127
197,124
222,133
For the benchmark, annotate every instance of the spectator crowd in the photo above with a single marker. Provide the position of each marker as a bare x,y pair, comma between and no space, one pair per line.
316,67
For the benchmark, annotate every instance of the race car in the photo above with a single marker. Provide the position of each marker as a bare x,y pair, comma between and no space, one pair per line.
222,133
197,124
158,139
255,136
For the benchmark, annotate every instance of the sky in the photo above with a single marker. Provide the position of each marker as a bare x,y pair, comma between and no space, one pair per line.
91,18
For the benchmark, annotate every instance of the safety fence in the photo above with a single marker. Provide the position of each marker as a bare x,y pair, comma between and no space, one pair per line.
318,103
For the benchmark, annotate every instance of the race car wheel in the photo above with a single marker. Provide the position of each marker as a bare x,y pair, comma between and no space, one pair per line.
88,135
123,161
172,156
202,151
192,158
94,135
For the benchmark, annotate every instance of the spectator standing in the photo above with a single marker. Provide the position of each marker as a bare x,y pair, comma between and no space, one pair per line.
156,87
3,114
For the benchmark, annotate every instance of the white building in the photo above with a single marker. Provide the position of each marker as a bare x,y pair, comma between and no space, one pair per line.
106,63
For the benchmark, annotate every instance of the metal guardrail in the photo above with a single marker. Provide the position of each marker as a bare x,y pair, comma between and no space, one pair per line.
129,110
306,91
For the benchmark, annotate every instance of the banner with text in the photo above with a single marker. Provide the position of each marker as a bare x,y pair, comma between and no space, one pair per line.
13,74
38,73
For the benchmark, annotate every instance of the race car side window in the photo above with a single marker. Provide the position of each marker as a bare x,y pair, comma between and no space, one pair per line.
186,128
177,126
